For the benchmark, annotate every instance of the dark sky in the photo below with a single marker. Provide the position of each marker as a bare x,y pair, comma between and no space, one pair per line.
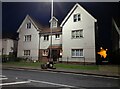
13,13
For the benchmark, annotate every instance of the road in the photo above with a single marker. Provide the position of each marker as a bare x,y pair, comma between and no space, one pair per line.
57,80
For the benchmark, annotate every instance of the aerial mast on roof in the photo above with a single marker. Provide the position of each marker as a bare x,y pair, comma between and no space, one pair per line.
51,27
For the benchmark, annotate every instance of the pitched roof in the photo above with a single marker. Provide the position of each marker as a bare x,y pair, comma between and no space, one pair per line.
47,30
72,10
53,18
35,23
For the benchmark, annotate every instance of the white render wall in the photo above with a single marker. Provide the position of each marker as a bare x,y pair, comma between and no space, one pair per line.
6,45
87,43
31,45
45,44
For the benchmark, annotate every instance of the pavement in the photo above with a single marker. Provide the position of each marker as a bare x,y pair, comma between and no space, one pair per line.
75,71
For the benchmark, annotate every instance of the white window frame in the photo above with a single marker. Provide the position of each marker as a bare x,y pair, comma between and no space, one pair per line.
75,34
46,37
77,53
27,38
77,17
27,52
54,24
28,25
45,53
57,36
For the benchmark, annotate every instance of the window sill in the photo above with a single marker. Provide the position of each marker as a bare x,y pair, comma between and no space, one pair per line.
78,38
26,41
57,38
45,40
77,56
44,55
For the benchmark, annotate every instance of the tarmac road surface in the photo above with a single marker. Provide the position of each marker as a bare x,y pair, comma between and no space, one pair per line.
44,79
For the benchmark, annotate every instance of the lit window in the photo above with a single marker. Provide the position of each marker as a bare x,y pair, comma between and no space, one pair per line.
77,34
28,25
27,38
26,52
76,17
45,53
77,52
46,37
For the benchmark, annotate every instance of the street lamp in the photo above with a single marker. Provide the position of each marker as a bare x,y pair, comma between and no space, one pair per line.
51,31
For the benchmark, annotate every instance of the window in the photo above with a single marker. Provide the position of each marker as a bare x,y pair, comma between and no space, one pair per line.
26,52
77,34
57,36
46,37
76,17
45,53
54,24
28,25
77,52
27,38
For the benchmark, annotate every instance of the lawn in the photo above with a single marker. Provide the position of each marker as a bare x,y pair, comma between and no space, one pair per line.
57,65
22,64
76,66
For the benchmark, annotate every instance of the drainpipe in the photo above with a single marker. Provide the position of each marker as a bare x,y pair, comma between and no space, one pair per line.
39,51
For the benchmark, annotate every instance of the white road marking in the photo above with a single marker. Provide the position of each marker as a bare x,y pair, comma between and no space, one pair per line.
92,75
13,83
104,77
62,85
3,78
16,78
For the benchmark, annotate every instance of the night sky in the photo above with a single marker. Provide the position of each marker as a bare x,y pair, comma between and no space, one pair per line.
13,13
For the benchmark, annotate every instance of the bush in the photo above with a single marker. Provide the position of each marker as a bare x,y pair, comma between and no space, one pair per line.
18,59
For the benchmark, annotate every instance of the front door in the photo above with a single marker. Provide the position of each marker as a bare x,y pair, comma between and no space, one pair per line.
55,54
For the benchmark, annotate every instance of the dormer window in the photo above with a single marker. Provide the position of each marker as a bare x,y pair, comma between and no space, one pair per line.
53,22
28,25
76,17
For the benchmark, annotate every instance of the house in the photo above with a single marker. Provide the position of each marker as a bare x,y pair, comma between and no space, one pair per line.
9,46
115,33
46,42
78,36
34,40
115,52
28,43
72,41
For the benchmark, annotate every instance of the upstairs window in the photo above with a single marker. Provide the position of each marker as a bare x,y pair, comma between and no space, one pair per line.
77,34
46,37
27,38
57,36
28,25
76,17
54,24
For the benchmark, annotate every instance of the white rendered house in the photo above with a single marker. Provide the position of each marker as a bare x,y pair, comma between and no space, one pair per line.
28,43
73,41
78,36
9,46
34,39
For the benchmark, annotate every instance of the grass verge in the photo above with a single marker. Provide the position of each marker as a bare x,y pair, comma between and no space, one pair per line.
57,65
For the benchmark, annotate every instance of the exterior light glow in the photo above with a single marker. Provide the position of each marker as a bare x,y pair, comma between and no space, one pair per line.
103,53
